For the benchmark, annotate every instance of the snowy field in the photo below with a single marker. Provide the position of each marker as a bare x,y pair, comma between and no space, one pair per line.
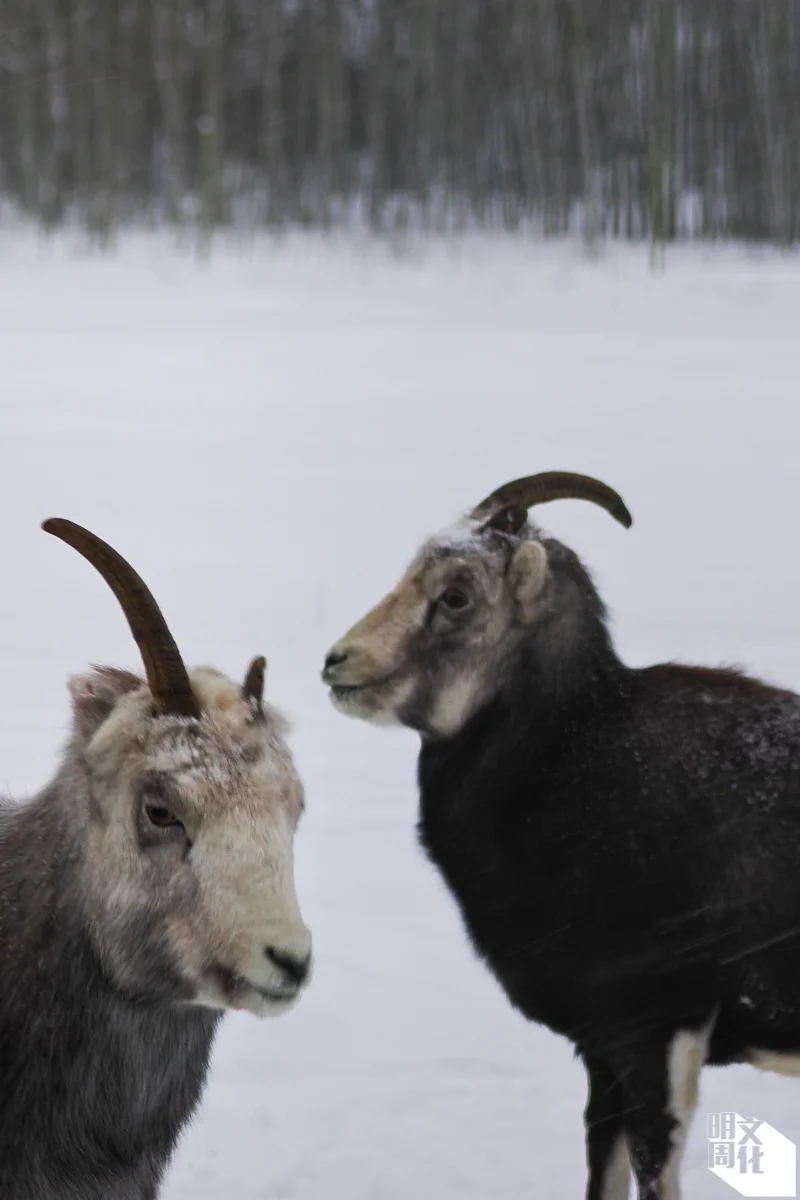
268,438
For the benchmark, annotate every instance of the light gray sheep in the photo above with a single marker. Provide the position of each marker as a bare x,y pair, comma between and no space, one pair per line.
148,888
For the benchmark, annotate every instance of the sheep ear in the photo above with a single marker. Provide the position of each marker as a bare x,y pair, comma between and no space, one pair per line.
95,694
527,577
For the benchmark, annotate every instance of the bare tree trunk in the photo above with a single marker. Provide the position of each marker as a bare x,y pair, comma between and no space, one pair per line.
105,87
20,61
660,35
792,115
304,114
381,46
80,109
272,125
527,68
764,59
580,66
330,107
210,122
168,25
53,123
428,141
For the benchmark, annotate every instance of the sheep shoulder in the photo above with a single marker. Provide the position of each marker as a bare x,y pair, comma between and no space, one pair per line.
96,1085
679,786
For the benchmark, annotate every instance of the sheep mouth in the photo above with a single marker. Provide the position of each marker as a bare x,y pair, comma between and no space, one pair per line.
234,984
343,691
340,691
274,996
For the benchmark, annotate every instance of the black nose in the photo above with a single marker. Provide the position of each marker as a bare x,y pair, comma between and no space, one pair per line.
336,658
296,968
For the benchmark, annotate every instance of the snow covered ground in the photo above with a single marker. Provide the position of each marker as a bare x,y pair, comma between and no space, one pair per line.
268,438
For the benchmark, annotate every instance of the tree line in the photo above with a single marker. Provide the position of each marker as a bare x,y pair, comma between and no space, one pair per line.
632,118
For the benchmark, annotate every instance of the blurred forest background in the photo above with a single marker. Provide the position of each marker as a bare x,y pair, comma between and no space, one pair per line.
629,118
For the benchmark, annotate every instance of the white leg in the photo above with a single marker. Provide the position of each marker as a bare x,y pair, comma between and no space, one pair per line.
617,1178
687,1053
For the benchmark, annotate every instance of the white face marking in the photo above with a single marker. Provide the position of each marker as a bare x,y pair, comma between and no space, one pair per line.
781,1064
454,705
617,1177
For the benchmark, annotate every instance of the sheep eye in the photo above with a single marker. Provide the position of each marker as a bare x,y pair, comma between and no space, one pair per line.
454,598
160,816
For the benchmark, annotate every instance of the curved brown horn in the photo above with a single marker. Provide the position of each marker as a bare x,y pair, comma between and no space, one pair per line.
167,677
253,686
554,485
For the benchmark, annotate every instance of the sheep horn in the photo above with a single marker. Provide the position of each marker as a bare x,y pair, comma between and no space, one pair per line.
253,686
167,677
553,485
